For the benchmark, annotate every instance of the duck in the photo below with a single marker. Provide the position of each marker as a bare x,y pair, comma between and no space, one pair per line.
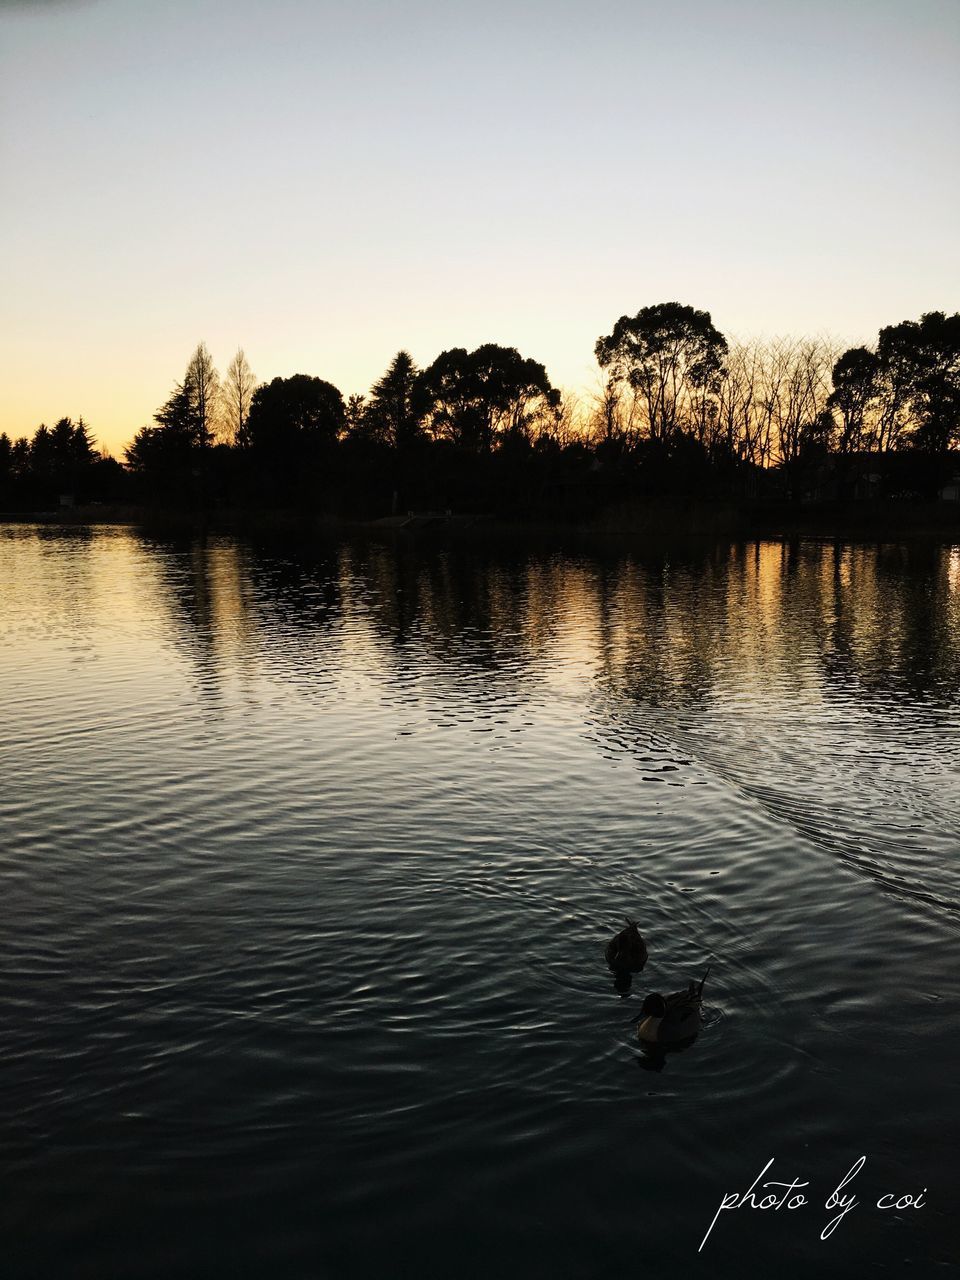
627,952
667,1020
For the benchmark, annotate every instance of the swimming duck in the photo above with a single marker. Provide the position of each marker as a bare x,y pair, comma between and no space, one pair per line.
627,952
669,1019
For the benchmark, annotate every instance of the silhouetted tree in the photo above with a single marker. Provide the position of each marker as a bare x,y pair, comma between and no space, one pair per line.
6,461
738,403
391,412
71,454
920,361
201,382
42,455
855,388
61,442
769,395
15,471
176,418
296,408
750,398
160,452
671,357
817,437
557,425
238,388
800,393
83,446
294,420
609,423
472,398
356,418
20,458
165,456
56,460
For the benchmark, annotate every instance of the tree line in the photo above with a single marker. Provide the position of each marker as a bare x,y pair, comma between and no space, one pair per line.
57,460
677,408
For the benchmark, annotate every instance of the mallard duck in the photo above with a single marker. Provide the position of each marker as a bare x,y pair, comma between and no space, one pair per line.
669,1019
627,952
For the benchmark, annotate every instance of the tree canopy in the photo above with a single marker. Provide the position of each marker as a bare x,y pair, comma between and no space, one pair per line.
672,358
921,361
291,416
855,386
473,398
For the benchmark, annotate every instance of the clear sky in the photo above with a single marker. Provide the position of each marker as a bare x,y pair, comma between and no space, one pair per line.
323,183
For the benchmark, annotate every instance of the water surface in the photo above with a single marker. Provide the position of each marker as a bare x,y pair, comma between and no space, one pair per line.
308,861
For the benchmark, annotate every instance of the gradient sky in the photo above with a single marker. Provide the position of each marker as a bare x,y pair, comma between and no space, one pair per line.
324,183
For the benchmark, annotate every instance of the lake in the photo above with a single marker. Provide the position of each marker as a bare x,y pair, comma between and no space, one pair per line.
310,855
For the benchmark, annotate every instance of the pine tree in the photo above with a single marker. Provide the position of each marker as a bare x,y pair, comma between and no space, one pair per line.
390,411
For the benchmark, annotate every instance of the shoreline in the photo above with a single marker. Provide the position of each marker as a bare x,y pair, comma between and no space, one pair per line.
655,520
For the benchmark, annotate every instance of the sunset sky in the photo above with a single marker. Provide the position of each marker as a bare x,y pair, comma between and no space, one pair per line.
324,183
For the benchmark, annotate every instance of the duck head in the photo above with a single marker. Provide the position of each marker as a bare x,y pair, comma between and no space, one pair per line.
654,1006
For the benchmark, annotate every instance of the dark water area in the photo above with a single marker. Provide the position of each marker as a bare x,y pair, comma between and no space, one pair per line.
309,857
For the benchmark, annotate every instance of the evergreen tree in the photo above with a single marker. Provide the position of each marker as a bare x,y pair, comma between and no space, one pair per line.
82,446
42,454
391,412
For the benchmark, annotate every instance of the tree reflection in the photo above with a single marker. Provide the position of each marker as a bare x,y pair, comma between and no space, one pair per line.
674,631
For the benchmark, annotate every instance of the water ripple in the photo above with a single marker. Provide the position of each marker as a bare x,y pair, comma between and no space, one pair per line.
310,859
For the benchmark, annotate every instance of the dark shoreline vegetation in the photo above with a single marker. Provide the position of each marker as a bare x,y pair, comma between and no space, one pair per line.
686,434
653,521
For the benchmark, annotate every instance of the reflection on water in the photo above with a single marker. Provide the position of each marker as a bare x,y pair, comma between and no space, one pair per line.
667,630
312,857
764,647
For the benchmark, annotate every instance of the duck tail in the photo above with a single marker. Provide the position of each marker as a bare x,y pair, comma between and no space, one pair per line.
703,980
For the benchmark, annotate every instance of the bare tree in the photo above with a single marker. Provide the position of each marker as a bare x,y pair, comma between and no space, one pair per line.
202,384
238,390
771,361
774,398
615,413
557,423
737,402
802,393
770,395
